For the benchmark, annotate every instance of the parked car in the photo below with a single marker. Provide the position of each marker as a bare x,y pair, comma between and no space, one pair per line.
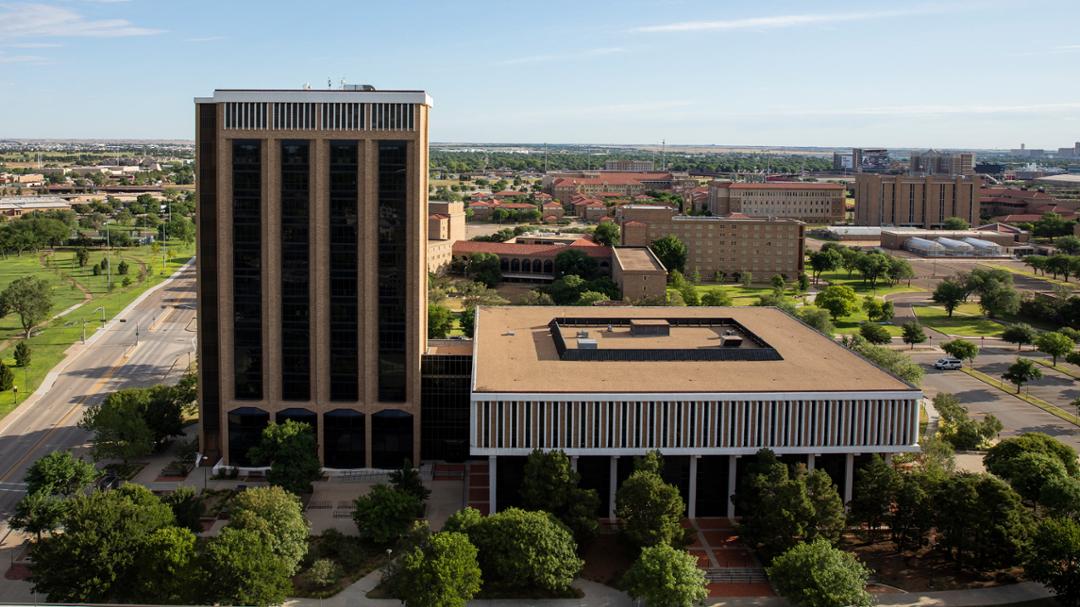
948,363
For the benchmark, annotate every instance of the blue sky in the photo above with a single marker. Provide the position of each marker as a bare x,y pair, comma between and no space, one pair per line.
963,73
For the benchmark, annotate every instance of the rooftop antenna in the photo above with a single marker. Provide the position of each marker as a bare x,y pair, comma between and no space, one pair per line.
329,83
663,153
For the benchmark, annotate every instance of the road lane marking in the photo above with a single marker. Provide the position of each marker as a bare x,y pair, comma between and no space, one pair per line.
56,425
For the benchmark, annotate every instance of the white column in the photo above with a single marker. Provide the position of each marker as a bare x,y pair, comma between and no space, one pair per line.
731,486
613,485
849,476
691,510
491,484
810,462
573,463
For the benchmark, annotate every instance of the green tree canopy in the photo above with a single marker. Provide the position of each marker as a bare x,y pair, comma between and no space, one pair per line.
440,321
816,574
649,509
30,298
1019,334
913,333
1055,344
289,448
242,568
444,571
961,348
576,262
950,293
607,233
277,515
60,473
671,251
551,485
664,576
385,514
839,300
1054,558
1021,372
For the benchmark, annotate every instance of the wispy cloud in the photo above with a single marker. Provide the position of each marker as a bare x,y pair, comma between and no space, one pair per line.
204,39
6,59
782,21
33,45
592,52
43,21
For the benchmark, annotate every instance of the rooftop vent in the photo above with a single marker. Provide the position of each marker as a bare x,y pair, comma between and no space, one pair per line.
583,334
586,344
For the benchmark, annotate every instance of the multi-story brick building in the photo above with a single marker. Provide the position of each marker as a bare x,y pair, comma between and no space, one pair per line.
808,202
446,225
312,278
921,201
563,186
950,164
640,275
764,247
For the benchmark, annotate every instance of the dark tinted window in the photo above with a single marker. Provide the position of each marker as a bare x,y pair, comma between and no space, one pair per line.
344,303
247,269
295,271
392,270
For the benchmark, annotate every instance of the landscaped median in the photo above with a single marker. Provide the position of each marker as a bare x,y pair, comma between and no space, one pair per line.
1028,398
1062,370
962,323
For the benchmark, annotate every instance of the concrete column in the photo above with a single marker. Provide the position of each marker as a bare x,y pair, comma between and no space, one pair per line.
491,484
810,462
691,509
613,485
849,476
731,486
573,462
888,458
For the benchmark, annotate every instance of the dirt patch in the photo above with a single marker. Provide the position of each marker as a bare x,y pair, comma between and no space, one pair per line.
607,558
924,570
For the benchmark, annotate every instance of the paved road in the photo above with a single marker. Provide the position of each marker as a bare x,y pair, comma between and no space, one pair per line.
980,399
165,320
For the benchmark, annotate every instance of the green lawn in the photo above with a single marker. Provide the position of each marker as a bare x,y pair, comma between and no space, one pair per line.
966,321
54,338
882,289
740,295
1030,273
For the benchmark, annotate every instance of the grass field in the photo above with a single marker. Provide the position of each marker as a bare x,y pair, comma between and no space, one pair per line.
966,321
1032,274
880,290
59,268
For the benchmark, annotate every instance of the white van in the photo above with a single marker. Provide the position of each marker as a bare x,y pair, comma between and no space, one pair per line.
948,363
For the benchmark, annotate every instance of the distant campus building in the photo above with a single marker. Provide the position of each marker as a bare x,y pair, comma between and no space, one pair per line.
735,243
808,202
917,201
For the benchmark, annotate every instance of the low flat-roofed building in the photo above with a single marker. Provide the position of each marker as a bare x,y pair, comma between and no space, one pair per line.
639,274
899,238
16,206
706,386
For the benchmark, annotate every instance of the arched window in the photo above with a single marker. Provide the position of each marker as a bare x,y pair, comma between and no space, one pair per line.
515,265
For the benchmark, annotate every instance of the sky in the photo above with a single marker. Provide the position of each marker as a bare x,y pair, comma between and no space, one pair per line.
953,74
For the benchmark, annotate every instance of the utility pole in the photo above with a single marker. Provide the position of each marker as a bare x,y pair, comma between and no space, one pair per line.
663,153
108,261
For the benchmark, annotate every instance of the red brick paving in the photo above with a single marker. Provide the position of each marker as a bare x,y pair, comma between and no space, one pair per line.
725,590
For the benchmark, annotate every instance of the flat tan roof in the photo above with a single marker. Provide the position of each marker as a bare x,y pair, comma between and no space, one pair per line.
637,259
515,352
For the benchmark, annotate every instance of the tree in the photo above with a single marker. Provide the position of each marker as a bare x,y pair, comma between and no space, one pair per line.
243,569
1019,334
22,354
120,430
551,485
818,575
468,321
875,333
114,527
440,321
444,571
1054,344
911,517
666,577
7,378
607,233
385,514
804,282
649,509
875,487
536,298
1021,372
962,349
291,451
818,319
28,297
671,252
950,293
912,333
520,548
999,299
999,459
839,300
715,297
1030,472
278,517
746,279
122,268
1073,358
825,260
958,429
407,479
484,268
872,266
186,506
590,298
164,571
894,362
576,262
955,223
60,473
778,282
1053,558
1069,245
38,512
82,256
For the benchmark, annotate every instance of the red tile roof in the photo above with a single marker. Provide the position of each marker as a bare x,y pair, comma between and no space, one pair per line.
468,247
618,178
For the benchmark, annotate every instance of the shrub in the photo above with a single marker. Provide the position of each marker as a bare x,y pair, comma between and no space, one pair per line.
818,575
666,577
324,573
519,548
385,514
